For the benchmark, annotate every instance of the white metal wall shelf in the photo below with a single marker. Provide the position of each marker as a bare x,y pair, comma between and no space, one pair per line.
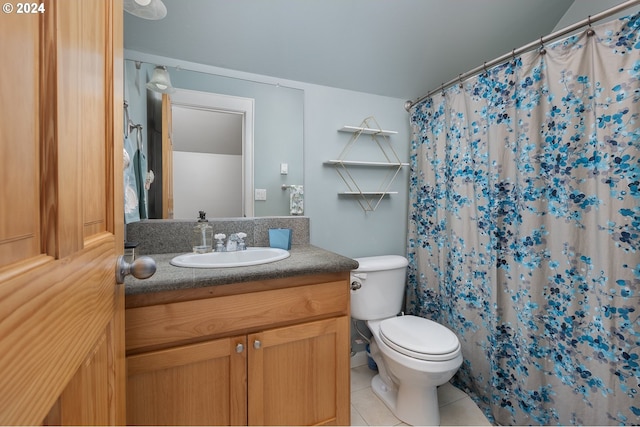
367,131
368,200
363,163
366,193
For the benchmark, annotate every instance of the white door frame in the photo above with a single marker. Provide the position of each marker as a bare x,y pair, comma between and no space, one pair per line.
237,105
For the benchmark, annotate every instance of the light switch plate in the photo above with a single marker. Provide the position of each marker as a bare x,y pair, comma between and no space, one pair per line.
284,168
260,194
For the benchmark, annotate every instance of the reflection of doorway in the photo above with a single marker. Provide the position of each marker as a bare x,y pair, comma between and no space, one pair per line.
212,138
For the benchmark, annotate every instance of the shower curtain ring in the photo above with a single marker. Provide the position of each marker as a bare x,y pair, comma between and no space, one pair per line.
543,50
460,81
442,88
590,31
484,67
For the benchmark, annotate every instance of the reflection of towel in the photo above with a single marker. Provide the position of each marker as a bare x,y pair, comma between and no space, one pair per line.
131,212
130,203
296,200
130,195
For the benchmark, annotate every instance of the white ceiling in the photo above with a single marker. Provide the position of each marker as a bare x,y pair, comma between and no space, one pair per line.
397,48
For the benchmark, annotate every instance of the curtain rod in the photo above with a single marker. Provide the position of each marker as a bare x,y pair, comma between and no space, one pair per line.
590,20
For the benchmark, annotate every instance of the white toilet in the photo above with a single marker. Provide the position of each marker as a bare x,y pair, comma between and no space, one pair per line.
414,355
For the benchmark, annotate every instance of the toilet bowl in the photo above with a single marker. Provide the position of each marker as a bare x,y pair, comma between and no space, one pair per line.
414,355
414,366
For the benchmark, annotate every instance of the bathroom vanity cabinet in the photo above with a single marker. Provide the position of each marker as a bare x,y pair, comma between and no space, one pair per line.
268,352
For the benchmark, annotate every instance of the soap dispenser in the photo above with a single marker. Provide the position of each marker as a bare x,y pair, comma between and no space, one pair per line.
202,235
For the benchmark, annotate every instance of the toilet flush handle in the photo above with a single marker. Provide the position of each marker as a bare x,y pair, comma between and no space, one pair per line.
357,284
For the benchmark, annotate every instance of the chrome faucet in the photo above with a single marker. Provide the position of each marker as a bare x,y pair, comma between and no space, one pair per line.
241,245
235,242
232,243
220,242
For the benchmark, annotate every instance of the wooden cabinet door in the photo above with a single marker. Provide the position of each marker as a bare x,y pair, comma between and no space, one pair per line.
197,384
61,214
299,375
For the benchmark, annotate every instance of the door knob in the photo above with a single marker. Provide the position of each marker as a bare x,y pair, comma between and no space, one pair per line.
141,268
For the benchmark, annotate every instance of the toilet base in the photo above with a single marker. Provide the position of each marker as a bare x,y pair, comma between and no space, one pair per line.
417,409
388,395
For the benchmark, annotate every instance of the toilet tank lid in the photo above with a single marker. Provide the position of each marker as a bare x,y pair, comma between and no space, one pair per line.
382,262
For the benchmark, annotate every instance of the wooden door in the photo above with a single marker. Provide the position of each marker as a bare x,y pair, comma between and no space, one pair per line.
167,158
61,214
197,384
161,157
299,375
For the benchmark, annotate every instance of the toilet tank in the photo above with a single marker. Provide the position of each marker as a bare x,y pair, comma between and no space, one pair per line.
378,286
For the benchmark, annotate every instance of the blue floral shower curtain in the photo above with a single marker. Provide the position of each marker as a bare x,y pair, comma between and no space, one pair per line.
524,229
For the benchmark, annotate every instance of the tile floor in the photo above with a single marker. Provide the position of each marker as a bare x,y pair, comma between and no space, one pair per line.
456,408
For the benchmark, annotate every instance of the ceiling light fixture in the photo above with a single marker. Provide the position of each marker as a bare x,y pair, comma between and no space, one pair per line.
146,9
160,81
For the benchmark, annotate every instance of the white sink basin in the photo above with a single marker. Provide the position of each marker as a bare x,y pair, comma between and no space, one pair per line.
250,256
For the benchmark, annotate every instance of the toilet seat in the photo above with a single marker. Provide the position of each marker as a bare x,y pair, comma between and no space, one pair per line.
420,338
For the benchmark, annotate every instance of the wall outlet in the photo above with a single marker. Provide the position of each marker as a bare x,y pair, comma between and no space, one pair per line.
260,194
284,168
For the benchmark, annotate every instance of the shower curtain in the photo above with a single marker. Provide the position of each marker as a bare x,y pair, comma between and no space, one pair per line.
524,229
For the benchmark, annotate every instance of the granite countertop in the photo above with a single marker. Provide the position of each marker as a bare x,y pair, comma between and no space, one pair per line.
304,259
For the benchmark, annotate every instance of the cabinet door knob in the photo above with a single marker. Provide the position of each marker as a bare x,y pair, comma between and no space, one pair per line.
239,348
257,344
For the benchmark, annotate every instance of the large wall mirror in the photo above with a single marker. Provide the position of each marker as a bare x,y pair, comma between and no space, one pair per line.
212,139
203,133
